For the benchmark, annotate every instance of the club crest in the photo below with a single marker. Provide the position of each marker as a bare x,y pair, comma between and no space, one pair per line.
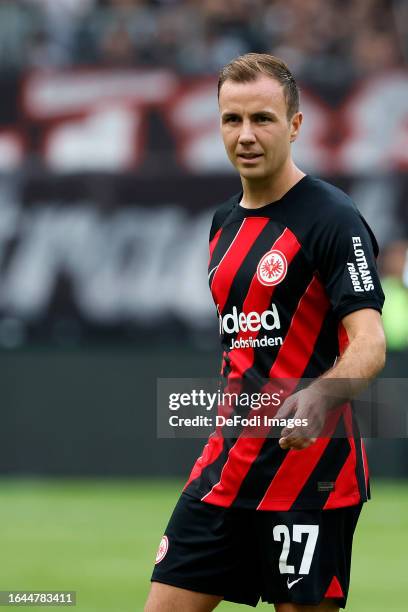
162,550
272,268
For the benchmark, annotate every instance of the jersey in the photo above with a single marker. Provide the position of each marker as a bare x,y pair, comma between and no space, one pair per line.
282,278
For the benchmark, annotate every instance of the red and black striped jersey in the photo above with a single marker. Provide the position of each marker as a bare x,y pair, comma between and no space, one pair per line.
282,278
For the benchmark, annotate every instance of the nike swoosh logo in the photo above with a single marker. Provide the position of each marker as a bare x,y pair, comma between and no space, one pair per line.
290,584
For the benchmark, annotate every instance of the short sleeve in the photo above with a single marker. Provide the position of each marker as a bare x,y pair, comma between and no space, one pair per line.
345,252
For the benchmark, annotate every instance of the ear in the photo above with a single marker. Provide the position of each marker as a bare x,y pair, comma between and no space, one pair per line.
295,124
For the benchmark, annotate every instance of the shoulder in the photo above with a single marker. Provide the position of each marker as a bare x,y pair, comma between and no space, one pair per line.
335,213
222,212
333,208
329,201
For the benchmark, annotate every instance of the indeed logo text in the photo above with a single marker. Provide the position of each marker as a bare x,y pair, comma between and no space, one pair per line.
235,321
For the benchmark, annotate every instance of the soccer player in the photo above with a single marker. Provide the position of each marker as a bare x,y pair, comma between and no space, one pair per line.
293,276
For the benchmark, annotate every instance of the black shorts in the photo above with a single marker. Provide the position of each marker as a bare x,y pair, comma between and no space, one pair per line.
243,555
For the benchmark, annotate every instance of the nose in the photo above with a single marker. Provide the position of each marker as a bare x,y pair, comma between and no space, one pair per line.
246,135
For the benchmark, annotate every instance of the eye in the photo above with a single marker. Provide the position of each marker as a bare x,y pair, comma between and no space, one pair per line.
231,119
263,118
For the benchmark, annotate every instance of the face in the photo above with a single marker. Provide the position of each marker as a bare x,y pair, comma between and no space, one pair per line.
255,128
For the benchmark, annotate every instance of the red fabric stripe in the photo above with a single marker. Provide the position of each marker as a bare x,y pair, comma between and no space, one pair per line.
298,347
334,589
343,343
346,485
365,464
211,452
303,332
215,444
343,338
295,471
305,326
233,258
213,243
258,299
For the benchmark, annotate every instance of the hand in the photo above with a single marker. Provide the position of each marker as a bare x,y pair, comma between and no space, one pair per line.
306,404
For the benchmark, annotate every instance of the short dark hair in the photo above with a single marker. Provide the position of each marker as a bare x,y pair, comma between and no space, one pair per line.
248,68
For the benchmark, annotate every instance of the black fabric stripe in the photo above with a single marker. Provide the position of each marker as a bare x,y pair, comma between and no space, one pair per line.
262,472
326,349
359,460
327,469
224,242
222,213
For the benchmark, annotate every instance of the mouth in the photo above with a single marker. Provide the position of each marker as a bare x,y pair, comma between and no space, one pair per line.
249,157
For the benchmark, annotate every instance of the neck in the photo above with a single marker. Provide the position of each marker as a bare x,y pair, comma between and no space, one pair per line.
258,193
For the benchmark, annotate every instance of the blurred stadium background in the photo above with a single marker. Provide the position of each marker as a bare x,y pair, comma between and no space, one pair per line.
110,167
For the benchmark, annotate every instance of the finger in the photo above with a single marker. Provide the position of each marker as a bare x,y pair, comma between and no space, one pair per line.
288,407
297,432
288,440
286,432
296,442
284,444
293,443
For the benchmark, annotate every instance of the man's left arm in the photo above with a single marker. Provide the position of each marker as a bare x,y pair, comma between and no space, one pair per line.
362,360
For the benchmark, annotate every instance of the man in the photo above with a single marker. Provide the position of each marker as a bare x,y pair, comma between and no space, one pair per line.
261,517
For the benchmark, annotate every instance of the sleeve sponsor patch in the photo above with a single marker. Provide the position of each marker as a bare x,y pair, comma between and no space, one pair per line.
360,274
